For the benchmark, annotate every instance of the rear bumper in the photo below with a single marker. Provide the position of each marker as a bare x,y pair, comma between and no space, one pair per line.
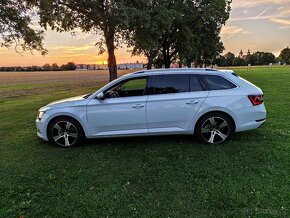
250,118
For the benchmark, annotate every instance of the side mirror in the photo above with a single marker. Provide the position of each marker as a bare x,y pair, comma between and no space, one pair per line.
101,96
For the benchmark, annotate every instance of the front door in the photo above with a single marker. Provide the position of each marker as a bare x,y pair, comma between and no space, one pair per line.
122,111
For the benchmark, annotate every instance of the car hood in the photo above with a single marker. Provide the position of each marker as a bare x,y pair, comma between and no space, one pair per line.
68,102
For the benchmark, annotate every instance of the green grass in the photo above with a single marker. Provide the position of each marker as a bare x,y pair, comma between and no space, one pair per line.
149,176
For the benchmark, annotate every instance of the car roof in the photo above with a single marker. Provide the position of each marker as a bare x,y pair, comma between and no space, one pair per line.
178,70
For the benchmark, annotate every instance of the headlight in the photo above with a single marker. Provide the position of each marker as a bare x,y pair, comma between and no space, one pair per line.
40,114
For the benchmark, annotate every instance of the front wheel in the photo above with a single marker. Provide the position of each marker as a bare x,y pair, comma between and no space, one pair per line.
214,128
65,132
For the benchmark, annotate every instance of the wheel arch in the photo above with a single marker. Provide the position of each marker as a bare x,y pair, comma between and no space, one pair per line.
67,116
217,111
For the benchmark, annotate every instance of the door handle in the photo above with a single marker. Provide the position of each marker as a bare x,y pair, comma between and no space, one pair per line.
138,105
192,102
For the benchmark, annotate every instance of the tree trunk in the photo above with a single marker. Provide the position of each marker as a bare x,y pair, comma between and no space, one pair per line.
150,63
112,64
188,62
166,58
150,60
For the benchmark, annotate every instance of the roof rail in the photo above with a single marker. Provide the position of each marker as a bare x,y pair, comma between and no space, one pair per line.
175,69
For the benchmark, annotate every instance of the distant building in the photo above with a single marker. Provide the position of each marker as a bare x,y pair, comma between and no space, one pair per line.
124,66
81,67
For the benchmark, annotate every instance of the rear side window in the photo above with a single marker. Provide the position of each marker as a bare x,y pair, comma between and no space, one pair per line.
218,83
166,84
195,85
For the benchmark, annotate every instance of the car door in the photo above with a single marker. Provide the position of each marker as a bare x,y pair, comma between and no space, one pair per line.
173,102
122,111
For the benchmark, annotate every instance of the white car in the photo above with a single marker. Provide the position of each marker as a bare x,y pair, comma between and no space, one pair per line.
212,104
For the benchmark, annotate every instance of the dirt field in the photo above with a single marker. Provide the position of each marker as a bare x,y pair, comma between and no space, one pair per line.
13,84
56,76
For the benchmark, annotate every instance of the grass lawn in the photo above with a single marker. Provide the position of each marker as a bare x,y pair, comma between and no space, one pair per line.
147,176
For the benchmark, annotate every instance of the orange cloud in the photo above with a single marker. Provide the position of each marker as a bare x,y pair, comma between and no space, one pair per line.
281,21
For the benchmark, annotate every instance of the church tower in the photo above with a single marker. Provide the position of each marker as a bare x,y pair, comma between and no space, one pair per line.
241,54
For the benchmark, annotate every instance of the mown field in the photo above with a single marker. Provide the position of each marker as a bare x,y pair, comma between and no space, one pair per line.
147,176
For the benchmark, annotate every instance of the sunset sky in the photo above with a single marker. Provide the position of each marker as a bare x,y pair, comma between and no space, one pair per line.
258,25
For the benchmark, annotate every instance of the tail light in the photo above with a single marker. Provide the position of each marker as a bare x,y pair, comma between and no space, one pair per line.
256,99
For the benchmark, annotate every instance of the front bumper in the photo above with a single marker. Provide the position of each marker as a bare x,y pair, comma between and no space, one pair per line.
41,130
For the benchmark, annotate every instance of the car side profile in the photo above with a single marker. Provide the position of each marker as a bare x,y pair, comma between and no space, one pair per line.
210,104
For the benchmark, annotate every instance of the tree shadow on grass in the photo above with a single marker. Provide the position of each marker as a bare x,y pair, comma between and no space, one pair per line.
153,141
142,141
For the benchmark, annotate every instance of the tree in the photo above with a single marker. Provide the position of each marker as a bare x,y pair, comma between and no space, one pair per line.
55,67
251,59
148,19
285,55
15,27
265,58
239,62
229,58
178,30
210,20
68,66
220,61
71,66
47,67
194,34
103,17
260,58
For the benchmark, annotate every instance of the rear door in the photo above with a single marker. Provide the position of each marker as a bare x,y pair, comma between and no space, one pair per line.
173,101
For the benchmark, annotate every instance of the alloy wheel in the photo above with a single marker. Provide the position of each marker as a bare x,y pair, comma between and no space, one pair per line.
64,133
215,130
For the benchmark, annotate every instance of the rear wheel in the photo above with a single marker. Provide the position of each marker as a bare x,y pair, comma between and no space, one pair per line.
214,128
65,132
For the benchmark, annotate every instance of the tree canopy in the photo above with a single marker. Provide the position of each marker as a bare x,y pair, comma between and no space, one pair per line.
102,17
179,30
15,27
256,58
285,55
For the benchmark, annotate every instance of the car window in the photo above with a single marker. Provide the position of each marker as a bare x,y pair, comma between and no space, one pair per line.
218,83
135,84
129,88
166,84
195,85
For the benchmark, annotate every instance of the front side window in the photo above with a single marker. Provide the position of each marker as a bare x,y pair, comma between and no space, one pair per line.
128,88
167,84
218,83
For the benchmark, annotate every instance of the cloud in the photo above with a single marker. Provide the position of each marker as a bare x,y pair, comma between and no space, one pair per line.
281,21
284,24
230,31
263,12
254,3
72,48
285,12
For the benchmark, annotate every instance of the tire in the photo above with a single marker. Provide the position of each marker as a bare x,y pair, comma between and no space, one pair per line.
214,128
65,132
